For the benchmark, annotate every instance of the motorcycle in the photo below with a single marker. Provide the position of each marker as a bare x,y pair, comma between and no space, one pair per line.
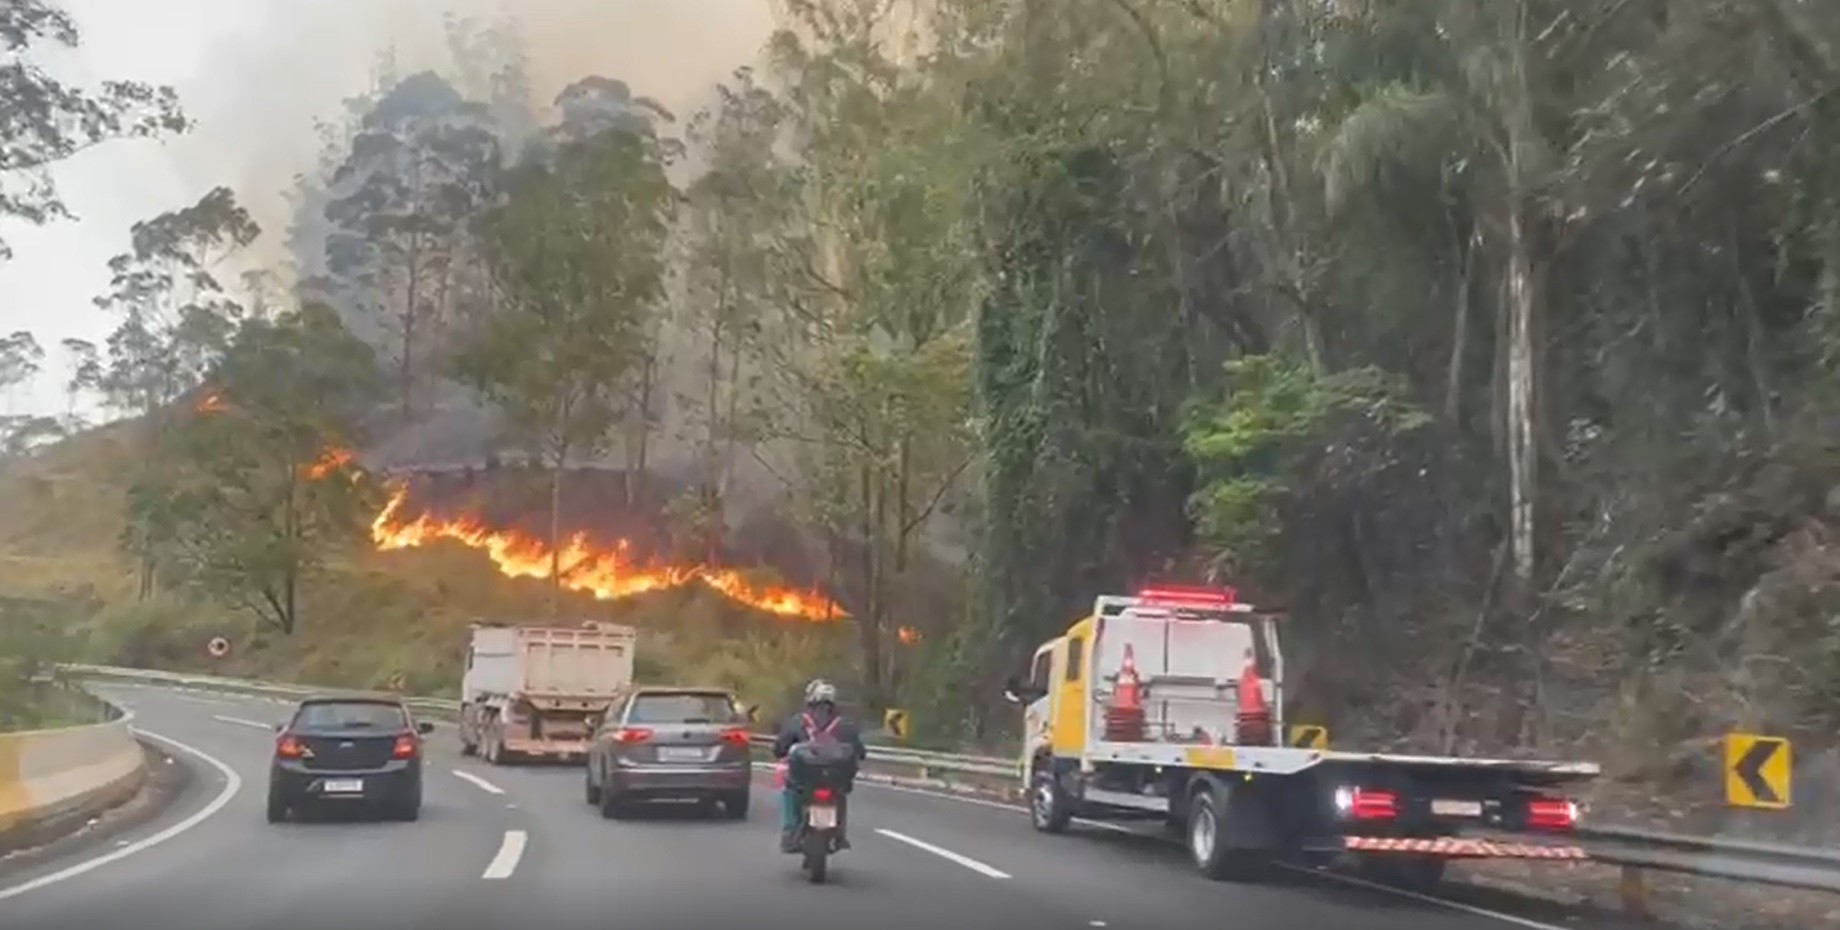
821,799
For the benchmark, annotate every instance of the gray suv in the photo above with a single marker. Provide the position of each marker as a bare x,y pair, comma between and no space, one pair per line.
672,744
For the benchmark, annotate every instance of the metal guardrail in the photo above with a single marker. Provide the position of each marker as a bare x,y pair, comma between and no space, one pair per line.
1636,851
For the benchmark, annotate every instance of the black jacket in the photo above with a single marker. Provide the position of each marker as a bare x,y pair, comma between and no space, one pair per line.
792,733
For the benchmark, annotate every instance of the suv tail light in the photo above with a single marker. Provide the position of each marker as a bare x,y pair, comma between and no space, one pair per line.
631,735
287,747
1551,814
735,736
405,747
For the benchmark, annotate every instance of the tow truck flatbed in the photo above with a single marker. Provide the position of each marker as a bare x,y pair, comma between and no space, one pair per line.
1168,704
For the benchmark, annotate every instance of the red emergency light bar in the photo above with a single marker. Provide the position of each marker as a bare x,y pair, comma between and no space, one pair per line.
1187,596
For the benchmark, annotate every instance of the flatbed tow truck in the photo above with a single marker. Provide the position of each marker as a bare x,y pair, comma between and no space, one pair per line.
1167,705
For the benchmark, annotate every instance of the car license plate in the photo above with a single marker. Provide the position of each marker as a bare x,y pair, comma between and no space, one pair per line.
822,817
344,786
679,754
1447,808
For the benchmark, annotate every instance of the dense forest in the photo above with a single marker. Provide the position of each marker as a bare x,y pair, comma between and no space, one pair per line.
1494,343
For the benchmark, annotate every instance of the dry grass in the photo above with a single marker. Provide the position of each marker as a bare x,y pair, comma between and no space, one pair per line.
369,618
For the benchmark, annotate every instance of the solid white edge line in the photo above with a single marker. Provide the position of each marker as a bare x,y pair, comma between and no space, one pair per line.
241,722
946,854
1428,899
1330,876
509,852
232,784
478,782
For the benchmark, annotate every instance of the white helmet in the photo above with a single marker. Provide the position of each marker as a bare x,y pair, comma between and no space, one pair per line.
820,691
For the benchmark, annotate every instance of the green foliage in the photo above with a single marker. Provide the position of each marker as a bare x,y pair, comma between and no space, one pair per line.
48,120
250,493
576,250
1272,430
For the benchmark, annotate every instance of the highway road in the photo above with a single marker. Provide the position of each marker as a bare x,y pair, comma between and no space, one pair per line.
507,847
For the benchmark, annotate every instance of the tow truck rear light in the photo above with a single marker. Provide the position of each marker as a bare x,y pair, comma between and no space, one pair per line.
404,748
1366,804
821,795
1188,596
631,735
1551,814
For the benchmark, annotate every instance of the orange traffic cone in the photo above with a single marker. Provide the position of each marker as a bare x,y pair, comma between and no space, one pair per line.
1254,715
1127,695
1124,714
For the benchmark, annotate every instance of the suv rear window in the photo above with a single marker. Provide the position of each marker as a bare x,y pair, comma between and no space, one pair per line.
683,707
374,715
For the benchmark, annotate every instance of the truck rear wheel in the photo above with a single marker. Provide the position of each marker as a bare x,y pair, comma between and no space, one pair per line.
1209,843
1050,809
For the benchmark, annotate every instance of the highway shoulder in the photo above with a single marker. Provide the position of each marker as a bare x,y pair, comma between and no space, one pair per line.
170,789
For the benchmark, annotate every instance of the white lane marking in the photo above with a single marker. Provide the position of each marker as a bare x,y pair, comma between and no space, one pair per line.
478,782
1331,876
232,784
1425,898
946,854
509,852
242,722
214,702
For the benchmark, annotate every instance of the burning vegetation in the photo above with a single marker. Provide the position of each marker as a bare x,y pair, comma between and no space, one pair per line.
608,572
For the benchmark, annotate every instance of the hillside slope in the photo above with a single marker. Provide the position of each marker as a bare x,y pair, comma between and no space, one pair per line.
372,618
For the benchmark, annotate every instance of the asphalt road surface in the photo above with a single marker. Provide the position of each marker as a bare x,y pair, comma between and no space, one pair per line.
519,847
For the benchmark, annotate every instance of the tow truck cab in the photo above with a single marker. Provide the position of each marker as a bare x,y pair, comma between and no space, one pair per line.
1168,705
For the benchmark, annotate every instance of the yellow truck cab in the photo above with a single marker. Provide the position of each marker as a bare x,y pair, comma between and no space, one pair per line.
1167,705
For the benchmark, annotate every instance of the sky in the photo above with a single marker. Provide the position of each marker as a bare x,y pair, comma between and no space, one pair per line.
254,74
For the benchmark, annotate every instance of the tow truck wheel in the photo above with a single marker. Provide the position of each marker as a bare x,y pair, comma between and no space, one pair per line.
1207,836
1050,810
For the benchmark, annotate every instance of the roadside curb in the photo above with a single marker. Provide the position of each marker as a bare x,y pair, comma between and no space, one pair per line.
160,781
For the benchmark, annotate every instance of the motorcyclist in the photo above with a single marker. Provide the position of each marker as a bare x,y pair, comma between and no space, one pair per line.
820,720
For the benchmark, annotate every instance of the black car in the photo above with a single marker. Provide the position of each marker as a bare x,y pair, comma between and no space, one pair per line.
348,751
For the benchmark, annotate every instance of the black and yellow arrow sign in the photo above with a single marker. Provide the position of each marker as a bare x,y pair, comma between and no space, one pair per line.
1757,771
1309,736
895,721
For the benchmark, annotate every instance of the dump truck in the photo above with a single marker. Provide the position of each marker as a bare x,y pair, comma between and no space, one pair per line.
536,692
1167,705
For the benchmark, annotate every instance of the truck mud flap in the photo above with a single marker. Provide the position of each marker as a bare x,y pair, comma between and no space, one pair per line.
1461,848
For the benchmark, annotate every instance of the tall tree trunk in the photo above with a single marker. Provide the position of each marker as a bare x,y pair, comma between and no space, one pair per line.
555,532
1459,341
1523,433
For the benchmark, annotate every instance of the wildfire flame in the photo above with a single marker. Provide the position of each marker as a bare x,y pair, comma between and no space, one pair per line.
329,462
210,402
608,573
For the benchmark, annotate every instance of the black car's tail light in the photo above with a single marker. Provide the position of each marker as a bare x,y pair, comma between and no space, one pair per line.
287,747
405,747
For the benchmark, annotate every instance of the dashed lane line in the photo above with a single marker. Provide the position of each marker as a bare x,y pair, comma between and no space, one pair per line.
946,854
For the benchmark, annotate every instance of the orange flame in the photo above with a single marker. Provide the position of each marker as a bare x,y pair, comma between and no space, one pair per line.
329,462
608,573
210,402
907,635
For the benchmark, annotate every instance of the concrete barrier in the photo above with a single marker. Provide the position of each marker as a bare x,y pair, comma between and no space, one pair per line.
53,780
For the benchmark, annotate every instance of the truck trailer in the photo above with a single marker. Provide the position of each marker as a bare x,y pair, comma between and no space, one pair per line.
1168,706
536,692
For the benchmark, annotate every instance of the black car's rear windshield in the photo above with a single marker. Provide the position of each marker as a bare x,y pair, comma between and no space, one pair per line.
683,707
356,715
